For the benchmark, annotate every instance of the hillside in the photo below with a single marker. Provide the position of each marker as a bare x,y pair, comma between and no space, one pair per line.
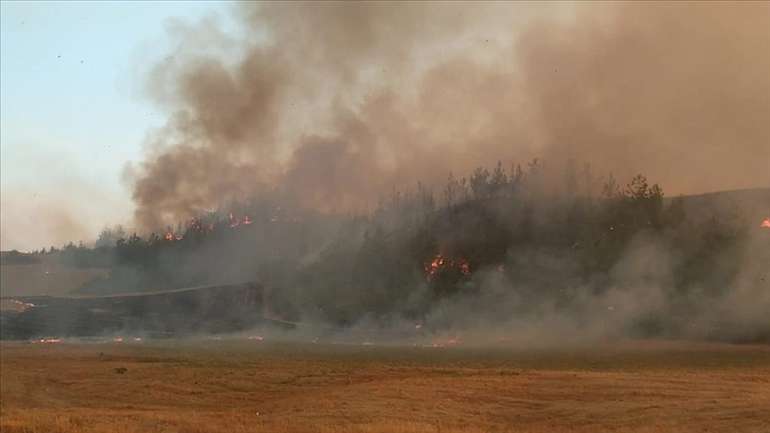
753,204
46,277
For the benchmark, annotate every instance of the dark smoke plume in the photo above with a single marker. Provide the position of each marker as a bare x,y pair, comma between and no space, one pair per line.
334,104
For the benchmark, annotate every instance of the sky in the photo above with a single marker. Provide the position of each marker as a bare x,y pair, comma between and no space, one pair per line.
73,112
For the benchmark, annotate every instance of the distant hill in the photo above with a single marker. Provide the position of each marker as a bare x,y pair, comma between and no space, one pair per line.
751,204
38,275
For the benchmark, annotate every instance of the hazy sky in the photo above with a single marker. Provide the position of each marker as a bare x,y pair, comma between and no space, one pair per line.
283,95
73,111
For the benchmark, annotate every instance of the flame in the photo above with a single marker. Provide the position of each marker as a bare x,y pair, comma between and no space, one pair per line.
235,221
464,266
47,340
195,225
439,263
448,342
765,223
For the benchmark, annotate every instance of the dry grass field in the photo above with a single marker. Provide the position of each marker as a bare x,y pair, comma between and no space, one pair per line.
249,386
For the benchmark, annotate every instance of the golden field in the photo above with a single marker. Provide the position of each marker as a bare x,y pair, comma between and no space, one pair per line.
250,386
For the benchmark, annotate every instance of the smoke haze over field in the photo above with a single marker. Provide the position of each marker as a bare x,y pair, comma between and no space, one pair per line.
336,104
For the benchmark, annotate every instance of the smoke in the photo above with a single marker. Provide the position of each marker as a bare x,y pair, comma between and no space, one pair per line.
659,88
330,106
335,104
38,221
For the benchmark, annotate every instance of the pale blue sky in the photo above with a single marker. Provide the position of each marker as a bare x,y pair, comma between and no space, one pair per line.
72,112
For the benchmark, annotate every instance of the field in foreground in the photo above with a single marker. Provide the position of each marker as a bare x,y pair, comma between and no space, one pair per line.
249,386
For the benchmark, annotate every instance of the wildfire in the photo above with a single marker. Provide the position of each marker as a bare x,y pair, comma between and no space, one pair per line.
47,340
445,342
765,223
171,236
440,263
195,225
235,221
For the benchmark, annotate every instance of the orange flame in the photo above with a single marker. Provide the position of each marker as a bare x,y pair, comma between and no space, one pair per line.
235,221
196,225
440,262
48,340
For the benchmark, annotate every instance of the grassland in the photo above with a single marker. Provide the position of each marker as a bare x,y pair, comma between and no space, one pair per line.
226,386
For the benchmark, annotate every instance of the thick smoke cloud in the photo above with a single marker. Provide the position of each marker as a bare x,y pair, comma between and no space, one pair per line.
335,104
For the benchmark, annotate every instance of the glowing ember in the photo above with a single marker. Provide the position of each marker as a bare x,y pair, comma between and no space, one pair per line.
765,223
464,266
235,221
440,263
196,225
450,342
47,340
